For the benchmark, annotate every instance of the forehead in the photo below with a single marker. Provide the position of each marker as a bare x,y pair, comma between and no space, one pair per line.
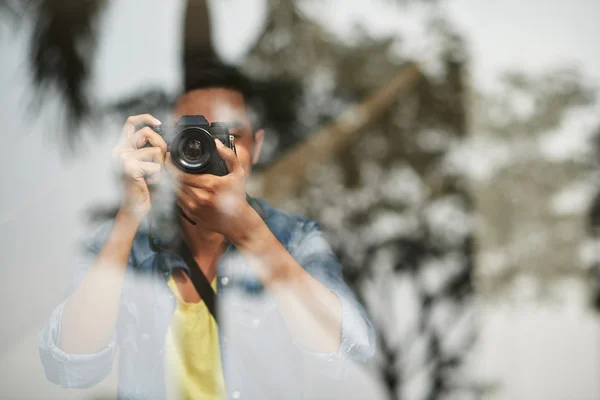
216,104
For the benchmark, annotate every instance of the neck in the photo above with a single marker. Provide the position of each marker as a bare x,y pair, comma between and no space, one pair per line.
201,240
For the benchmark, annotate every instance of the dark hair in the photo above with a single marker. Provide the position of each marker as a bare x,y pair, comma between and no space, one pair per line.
271,103
209,72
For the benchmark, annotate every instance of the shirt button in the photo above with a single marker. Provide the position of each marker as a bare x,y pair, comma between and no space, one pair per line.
236,394
256,322
145,336
224,280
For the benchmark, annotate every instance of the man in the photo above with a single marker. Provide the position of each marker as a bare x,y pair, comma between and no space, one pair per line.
127,294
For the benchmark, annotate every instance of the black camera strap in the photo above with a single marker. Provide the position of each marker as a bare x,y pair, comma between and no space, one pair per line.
200,281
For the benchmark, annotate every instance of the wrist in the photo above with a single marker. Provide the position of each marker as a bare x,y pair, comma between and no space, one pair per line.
247,229
127,219
270,260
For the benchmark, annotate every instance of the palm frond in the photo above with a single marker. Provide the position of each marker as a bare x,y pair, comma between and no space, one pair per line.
15,9
61,52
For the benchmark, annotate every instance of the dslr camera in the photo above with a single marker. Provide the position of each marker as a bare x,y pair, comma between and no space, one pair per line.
192,144
193,150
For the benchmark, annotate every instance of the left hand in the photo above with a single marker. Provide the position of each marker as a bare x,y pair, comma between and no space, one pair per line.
215,202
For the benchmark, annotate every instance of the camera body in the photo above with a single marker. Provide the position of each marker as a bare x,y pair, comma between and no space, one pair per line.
192,144
193,150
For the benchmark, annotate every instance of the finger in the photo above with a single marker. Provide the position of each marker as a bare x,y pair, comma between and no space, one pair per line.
231,160
184,201
135,169
192,201
153,154
202,195
207,182
136,120
146,135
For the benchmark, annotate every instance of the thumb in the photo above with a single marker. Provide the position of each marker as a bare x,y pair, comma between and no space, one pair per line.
233,164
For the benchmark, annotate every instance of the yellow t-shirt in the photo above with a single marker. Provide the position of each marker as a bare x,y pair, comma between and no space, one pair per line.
193,357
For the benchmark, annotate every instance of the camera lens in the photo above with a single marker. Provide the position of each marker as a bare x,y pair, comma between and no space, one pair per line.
192,150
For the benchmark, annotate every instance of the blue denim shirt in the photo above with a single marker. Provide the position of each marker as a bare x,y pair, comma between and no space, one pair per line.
251,329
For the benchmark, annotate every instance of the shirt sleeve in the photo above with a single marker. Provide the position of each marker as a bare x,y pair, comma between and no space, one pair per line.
75,370
357,333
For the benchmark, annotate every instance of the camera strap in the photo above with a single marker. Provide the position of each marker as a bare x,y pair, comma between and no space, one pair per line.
200,281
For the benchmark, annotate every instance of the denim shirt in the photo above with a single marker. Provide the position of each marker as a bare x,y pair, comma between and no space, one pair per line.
251,330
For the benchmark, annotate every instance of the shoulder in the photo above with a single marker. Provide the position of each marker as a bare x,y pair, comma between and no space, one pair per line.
286,226
97,234
303,239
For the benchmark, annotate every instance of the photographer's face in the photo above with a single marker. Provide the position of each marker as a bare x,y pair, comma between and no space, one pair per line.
225,105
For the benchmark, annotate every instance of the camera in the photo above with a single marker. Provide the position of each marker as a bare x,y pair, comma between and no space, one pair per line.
192,144
193,150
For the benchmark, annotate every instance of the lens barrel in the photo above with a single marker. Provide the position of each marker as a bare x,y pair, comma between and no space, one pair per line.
192,149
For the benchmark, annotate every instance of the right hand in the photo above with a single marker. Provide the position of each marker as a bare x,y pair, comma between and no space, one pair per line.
139,165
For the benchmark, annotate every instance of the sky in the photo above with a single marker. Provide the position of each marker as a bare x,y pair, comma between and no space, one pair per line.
45,192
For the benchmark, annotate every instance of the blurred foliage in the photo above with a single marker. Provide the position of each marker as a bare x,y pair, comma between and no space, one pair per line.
62,46
594,225
400,223
14,10
528,184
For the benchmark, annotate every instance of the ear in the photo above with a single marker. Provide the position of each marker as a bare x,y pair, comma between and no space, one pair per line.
259,138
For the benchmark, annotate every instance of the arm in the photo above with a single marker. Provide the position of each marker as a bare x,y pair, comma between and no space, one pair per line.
89,316
77,346
312,312
318,307
76,369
